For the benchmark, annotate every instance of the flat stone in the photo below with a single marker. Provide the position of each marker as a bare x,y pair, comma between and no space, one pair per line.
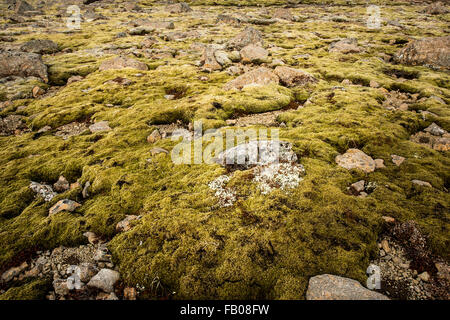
330,287
254,54
397,160
356,159
291,77
64,205
358,187
435,130
122,63
99,127
260,76
125,224
422,183
22,64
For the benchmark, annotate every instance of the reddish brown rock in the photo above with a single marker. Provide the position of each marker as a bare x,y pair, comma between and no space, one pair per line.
260,76
122,63
356,159
291,77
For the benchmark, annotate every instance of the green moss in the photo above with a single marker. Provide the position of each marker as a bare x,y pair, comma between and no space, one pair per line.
34,290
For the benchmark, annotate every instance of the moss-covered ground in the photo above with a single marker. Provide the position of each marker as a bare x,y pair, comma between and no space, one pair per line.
265,246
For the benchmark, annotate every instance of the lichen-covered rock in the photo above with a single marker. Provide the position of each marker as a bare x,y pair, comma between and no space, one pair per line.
254,54
291,77
100,126
40,46
64,205
356,159
178,8
22,64
283,14
105,280
331,287
260,76
248,36
61,185
349,45
209,62
122,63
432,52
45,191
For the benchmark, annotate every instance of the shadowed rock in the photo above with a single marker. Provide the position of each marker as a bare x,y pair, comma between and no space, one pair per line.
22,64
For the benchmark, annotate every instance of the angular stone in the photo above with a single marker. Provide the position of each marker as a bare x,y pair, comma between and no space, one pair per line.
45,191
330,287
178,8
99,127
283,14
435,130
105,280
208,60
125,224
22,64
291,77
432,52
254,54
246,37
422,183
64,205
358,187
154,136
349,45
260,76
40,46
61,185
397,160
379,164
356,159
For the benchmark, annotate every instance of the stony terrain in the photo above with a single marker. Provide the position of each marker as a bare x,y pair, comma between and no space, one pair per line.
89,117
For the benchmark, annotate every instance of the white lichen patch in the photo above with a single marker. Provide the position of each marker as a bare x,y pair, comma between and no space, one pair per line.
226,196
278,176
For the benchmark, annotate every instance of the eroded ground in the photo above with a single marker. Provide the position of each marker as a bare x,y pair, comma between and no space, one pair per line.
186,245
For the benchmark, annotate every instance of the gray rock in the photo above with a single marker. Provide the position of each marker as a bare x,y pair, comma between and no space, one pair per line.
330,287
40,46
99,126
435,130
45,191
105,280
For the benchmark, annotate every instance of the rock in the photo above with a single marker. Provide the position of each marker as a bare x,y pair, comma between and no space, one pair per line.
435,130
374,84
154,136
260,76
358,187
422,183
254,54
424,276
87,271
22,64
20,7
431,52
11,273
178,8
40,46
122,63
99,127
436,8
346,82
11,125
125,224
439,143
283,14
105,280
120,81
92,237
349,45
255,153
379,164
140,31
60,287
397,160
129,293
132,7
330,287
234,71
106,296
356,159
222,58
278,176
158,150
209,61
73,79
443,271
37,91
102,255
291,77
85,192
45,191
388,219
246,37
61,185
229,20
385,246
64,205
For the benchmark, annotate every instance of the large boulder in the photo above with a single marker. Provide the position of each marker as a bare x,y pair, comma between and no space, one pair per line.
39,46
260,76
22,64
432,52
330,287
209,60
246,37
122,63
19,6
291,77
